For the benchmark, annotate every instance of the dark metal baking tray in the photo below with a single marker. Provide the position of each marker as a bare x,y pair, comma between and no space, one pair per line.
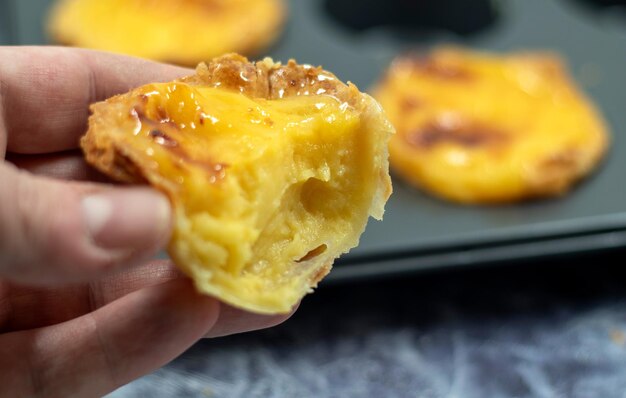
420,232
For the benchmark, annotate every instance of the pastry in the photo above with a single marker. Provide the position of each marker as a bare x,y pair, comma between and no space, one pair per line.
178,31
272,171
484,128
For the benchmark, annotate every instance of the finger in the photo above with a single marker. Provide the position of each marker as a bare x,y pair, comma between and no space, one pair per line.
68,165
62,232
101,351
233,320
29,308
46,91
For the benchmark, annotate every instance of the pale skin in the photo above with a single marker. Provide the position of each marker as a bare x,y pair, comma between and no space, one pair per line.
83,309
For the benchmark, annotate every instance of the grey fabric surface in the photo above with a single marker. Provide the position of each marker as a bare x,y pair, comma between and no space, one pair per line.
543,330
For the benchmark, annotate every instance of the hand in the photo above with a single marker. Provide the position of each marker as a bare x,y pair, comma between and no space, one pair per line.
78,315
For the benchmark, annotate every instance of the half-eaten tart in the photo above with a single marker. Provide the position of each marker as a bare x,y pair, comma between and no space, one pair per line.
272,170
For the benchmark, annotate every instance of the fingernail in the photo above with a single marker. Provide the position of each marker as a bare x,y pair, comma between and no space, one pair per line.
127,218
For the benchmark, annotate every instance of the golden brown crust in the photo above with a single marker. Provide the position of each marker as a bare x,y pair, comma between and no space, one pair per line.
321,273
111,160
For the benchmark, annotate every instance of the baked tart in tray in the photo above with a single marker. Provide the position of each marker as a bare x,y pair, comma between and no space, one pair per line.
486,128
179,31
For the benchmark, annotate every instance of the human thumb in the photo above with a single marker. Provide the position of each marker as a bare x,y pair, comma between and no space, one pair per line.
63,232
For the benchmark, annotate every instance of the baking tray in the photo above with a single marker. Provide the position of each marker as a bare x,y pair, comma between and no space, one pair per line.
357,40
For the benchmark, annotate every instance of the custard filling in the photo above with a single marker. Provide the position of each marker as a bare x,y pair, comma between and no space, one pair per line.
256,183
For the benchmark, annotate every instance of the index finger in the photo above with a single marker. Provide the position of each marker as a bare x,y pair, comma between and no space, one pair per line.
45,92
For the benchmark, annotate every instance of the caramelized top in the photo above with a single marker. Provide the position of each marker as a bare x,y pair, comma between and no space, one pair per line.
269,80
455,129
229,103
199,132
